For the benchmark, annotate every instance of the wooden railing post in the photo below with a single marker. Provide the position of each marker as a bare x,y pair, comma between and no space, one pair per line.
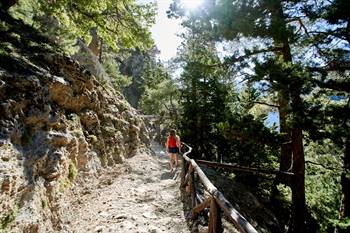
193,189
183,169
217,201
215,224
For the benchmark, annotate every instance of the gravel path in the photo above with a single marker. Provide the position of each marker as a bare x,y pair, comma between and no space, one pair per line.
139,196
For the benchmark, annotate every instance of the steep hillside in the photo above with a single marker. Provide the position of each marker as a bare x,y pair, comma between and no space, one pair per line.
57,121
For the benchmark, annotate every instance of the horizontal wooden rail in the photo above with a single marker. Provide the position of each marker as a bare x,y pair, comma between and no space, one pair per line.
243,169
187,152
219,199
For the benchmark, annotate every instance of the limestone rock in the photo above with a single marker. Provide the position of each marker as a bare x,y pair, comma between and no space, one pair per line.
57,122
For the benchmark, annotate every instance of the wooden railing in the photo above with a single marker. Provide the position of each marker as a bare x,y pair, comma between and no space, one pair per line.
214,202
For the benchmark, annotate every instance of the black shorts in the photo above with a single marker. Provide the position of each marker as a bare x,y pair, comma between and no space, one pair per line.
173,150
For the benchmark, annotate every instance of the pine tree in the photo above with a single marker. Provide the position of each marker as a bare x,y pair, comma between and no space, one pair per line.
204,94
292,46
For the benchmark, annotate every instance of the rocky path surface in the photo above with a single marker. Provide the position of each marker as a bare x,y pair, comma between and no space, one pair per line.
141,196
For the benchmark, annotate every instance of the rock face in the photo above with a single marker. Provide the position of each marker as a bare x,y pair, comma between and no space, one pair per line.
56,122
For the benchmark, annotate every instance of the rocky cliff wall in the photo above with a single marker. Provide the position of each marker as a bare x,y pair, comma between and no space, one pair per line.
57,121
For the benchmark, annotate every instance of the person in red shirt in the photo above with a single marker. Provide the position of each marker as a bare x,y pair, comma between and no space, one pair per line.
173,145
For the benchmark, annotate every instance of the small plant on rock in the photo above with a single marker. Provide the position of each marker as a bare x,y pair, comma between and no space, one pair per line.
9,217
72,171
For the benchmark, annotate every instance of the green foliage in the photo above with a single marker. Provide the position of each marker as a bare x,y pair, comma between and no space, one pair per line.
160,94
121,23
27,136
72,171
9,217
218,118
112,69
64,184
152,89
305,75
159,98
43,204
204,98
342,223
322,182
26,10
248,142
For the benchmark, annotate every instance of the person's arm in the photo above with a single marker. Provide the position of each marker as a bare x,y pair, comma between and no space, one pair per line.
166,144
178,142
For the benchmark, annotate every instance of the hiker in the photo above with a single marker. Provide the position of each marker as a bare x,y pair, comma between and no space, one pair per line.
173,146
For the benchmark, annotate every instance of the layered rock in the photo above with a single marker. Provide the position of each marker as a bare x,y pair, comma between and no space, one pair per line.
56,121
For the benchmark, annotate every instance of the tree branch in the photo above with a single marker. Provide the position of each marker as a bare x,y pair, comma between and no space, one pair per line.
267,104
334,85
93,18
166,107
334,33
233,59
322,165
302,25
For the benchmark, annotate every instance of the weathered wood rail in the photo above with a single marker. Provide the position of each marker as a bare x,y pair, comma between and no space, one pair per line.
215,202
235,167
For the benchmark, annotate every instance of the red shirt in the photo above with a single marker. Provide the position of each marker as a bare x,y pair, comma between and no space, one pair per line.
172,141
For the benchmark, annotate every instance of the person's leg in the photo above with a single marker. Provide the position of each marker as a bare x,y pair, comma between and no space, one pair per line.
176,159
173,159
170,161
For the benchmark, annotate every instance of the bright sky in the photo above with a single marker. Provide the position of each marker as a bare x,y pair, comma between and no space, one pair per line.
165,30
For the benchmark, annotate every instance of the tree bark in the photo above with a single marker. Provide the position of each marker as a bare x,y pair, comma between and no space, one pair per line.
298,183
281,37
286,146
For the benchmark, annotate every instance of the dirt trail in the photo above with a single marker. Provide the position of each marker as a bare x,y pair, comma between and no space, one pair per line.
142,196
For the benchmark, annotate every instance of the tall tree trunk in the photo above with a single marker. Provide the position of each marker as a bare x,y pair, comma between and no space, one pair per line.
298,181
286,146
344,211
298,157
298,166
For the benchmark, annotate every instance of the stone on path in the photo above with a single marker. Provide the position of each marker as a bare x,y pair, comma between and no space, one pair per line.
144,199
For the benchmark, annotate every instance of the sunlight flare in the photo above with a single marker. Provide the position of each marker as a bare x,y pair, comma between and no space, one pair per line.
191,4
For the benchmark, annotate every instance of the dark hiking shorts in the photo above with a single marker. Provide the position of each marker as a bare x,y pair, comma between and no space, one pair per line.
173,150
